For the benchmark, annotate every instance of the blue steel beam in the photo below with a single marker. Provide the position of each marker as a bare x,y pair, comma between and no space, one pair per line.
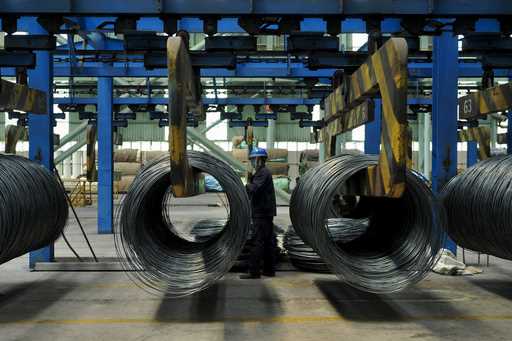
219,101
444,114
105,156
372,131
472,153
41,128
247,70
226,8
230,25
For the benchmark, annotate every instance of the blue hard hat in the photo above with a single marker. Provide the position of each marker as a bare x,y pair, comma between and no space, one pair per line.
257,152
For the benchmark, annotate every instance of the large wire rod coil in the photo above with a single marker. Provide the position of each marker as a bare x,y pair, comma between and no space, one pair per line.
403,235
303,257
157,258
33,207
478,204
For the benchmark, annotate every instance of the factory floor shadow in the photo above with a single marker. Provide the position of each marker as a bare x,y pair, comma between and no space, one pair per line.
224,301
434,310
500,287
231,306
23,301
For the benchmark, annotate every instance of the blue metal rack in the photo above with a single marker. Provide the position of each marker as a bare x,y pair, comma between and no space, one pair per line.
444,70
444,114
41,127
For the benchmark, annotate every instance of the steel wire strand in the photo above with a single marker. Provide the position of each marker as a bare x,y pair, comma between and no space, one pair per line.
302,256
478,205
157,259
33,207
403,235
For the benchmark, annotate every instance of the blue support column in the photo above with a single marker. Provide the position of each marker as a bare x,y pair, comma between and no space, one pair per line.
41,128
472,156
444,115
372,131
105,156
509,132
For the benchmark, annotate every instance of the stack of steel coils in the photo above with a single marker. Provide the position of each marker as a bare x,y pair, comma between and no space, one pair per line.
302,256
159,259
33,207
402,238
478,205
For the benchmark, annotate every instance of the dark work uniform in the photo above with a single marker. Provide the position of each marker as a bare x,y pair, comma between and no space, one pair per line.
263,204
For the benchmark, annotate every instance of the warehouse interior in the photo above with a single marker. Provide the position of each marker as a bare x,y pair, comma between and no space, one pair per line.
128,131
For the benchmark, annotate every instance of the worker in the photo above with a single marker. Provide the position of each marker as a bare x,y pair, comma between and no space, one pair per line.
260,188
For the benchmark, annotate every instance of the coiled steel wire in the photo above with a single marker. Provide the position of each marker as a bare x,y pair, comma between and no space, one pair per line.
33,207
158,259
302,256
478,204
402,238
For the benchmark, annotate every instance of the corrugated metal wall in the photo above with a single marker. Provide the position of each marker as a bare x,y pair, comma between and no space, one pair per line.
142,129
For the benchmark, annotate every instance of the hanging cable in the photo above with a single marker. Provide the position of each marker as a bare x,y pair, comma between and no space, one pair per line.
478,205
70,202
77,256
402,238
161,261
33,207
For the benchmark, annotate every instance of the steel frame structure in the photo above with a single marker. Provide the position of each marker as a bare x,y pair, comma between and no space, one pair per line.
197,8
320,16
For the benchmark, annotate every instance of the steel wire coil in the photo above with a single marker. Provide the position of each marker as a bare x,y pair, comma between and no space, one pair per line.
159,260
302,256
33,207
398,248
478,205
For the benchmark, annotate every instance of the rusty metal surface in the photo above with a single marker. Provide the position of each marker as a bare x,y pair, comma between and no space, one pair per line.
345,121
384,74
184,97
13,134
20,97
481,135
91,135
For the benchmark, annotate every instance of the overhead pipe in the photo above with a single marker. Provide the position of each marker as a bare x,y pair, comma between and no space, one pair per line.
69,151
198,138
70,136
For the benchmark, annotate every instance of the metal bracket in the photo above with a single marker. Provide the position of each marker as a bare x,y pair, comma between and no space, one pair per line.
481,103
384,74
144,41
247,123
269,25
230,43
184,97
17,59
21,97
219,59
91,135
307,42
30,42
481,135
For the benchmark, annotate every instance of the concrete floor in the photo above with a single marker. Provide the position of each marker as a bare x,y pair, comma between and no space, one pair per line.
292,306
